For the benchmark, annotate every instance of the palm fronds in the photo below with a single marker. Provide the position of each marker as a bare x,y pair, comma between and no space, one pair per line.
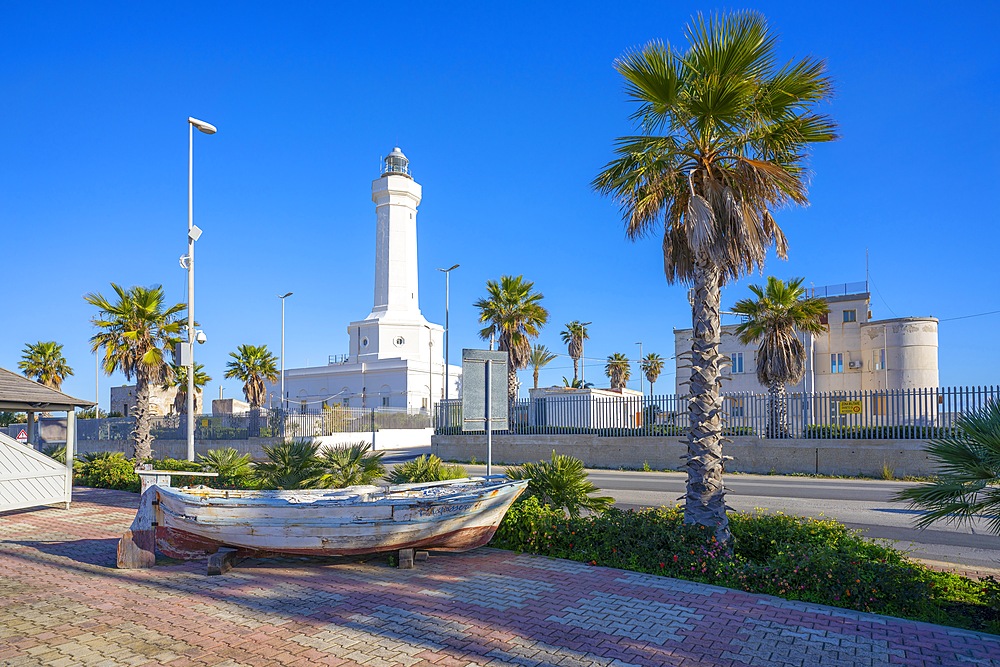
349,465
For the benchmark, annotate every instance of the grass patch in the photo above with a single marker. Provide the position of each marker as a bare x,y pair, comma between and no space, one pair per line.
812,560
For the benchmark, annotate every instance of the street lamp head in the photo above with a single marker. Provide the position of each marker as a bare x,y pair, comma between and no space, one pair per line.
584,324
285,296
450,268
202,126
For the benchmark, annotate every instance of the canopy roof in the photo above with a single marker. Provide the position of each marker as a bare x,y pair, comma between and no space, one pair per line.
19,394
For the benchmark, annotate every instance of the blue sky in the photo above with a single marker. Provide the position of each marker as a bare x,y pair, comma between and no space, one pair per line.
506,111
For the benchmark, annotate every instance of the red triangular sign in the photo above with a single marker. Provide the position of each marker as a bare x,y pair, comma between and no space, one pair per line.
22,436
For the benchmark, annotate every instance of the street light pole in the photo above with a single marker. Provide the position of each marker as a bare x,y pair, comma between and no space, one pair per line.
193,235
642,389
583,359
447,335
284,407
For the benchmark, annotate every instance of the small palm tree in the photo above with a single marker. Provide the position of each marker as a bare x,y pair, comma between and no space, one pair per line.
576,384
179,380
723,133
290,465
512,312
561,482
425,468
651,366
573,336
773,319
136,331
618,370
350,465
252,364
234,469
968,481
44,363
540,357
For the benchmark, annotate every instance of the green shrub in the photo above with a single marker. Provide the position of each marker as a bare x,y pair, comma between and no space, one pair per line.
425,469
57,452
178,464
107,470
562,483
812,560
233,468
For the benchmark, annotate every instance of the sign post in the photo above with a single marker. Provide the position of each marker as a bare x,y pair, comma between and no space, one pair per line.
484,395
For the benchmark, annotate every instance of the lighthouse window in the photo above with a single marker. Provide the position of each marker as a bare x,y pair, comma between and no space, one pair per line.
399,342
364,342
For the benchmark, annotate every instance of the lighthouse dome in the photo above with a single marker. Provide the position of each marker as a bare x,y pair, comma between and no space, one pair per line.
396,163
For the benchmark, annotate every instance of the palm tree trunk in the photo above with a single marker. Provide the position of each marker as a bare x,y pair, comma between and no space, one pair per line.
511,393
142,441
536,378
705,503
576,367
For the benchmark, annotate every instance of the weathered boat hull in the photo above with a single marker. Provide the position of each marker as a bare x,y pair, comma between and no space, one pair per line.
456,516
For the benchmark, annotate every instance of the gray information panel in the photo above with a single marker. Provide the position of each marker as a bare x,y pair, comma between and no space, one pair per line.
474,390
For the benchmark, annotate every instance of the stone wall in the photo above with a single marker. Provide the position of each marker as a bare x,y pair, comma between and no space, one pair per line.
750,454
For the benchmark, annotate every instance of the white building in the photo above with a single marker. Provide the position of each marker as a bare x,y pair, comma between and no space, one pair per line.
396,357
856,353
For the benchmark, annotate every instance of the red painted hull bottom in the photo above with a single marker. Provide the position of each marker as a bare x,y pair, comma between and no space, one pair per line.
184,545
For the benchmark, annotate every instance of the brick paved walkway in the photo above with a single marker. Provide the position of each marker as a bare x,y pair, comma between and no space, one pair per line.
64,603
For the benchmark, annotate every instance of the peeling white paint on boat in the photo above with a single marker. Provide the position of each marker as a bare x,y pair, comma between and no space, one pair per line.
456,515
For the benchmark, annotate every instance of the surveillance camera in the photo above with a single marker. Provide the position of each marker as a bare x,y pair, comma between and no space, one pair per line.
200,337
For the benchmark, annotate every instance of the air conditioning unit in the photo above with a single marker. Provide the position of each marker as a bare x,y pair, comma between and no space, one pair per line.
855,364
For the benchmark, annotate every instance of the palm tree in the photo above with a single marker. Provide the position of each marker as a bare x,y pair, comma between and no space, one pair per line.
618,370
350,465
252,364
136,332
573,336
293,464
540,356
968,481
512,313
179,380
651,365
44,362
723,133
772,319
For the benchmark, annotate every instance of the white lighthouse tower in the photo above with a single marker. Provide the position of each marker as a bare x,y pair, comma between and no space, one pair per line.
396,357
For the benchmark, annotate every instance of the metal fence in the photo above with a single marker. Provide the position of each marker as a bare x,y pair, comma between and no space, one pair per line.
260,424
893,414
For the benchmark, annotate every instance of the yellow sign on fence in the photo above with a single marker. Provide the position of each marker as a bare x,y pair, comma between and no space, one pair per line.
850,407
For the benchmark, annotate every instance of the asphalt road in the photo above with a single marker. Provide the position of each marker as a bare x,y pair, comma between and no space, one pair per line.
862,504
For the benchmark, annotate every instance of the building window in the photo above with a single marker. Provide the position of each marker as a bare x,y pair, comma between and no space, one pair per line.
385,401
364,342
837,363
303,406
878,359
850,316
399,341
737,362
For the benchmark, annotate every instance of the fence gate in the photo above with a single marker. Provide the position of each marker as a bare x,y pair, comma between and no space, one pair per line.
28,478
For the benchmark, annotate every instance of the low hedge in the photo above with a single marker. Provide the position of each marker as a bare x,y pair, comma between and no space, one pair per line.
796,558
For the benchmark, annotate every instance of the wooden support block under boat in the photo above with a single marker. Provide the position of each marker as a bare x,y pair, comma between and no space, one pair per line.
222,560
406,559
137,547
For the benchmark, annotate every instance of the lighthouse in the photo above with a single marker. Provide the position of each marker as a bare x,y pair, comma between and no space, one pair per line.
395,356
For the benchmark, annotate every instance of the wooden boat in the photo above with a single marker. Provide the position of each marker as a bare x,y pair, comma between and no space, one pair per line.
192,522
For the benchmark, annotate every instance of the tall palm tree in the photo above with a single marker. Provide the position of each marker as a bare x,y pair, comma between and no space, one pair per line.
136,332
252,364
44,362
618,370
773,319
540,357
723,133
573,336
179,380
512,312
651,366
968,480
